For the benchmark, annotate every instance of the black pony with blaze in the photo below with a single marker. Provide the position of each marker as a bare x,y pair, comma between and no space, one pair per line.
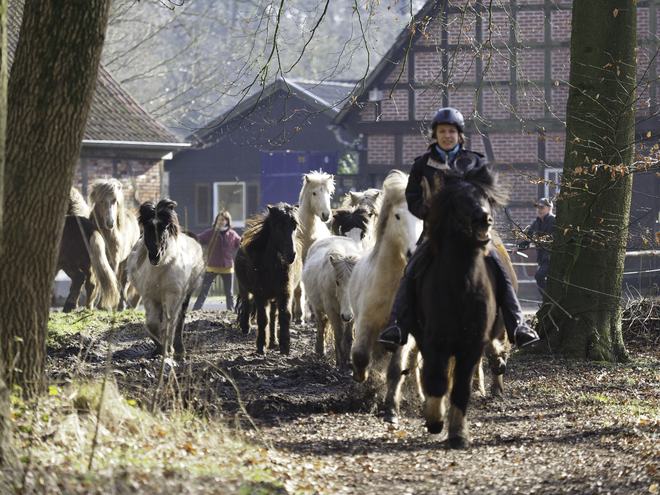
456,305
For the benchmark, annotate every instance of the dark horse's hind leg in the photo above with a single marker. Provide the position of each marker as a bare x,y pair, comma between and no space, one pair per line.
274,339
395,377
77,280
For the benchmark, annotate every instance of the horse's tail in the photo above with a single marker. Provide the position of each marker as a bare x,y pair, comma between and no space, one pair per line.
104,277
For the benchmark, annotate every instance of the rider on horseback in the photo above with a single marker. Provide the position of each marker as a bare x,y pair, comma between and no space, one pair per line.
447,153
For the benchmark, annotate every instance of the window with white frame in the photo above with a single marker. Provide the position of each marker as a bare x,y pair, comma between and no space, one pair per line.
230,196
552,182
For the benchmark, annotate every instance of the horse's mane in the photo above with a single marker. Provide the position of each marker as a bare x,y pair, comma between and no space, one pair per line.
77,204
370,199
102,189
394,193
163,212
258,227
358,216
314,178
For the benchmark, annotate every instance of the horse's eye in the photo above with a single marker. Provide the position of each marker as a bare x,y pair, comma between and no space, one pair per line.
313,194
337,282
397,216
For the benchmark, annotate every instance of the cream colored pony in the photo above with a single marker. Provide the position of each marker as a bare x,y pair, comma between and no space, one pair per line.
314,211
375,280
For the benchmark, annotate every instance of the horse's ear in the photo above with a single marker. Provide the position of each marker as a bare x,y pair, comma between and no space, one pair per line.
334,260
352,194
306,178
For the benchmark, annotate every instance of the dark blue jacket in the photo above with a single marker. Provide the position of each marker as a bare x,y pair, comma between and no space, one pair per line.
541,231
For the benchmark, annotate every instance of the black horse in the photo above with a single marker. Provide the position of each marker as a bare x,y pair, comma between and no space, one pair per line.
268,267
74,259
456,302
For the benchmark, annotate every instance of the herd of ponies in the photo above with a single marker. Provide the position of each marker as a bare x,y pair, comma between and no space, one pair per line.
343,265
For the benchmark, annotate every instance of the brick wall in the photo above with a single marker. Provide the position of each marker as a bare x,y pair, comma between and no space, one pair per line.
530,26
461,66
414,145
561,64
559,100
381,149
368,113
497,65
531,102
561,25
515,147
400,73
427,66
427,102
555,146
140,174
463,100
396,107
496,102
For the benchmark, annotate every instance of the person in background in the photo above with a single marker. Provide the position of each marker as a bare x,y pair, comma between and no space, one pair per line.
447,152
221,240
540,232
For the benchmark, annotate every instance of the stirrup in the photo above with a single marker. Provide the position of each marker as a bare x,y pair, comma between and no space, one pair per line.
524,336
393,338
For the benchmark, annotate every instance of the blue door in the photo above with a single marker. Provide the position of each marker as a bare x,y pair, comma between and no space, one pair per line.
282,172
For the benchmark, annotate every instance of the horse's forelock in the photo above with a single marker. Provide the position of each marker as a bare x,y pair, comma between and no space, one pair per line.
258,227
147,212
394,193
165,214
317,178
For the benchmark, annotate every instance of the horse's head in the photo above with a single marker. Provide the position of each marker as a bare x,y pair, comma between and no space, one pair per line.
343,267
282,221
352,222
107,199
317,190
160,227
462,209
370,199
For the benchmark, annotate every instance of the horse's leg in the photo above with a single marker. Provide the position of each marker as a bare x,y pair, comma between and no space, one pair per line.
395,379
77,279
338,333
178,331
299,303
263,337
284,320
435,381
478,379
122,277
347,344
497,355
458,428
321,325
244,310
274,339
154,314
365,338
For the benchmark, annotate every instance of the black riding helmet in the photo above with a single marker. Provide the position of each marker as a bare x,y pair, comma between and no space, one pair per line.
448,115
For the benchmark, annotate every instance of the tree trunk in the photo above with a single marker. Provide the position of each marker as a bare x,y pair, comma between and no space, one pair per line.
8,456
50,93
581,316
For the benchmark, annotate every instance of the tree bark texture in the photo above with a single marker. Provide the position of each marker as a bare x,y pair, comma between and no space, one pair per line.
581,315
50,92
8,455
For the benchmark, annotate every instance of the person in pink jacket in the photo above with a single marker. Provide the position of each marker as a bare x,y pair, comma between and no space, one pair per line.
221,240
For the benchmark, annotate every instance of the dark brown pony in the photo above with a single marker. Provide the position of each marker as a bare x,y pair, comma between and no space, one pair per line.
74,260
268,267
455,304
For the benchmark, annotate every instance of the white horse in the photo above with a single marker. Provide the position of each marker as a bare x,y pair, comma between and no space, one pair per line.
375,280
117,233
314,211
165,267
326,276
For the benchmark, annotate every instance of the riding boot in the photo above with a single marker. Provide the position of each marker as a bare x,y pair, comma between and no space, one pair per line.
402,316
507,300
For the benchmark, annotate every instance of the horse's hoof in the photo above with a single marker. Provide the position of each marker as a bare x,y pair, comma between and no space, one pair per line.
284,350
360,375
458,443
260,350
435,428
391,417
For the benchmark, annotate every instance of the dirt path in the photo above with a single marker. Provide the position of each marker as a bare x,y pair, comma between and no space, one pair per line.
561,428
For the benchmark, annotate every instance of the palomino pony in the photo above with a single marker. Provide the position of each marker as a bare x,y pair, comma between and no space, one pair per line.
314,211
165,267
330,263
268,266
118,231
375,280
456,309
